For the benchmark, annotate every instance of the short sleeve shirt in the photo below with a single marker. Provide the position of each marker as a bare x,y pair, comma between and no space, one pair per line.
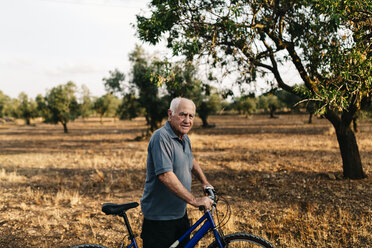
166,152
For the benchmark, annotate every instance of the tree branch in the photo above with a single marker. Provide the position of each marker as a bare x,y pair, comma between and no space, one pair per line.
275,70
289,46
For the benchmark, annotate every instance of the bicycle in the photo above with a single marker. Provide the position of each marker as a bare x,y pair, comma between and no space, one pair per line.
206,222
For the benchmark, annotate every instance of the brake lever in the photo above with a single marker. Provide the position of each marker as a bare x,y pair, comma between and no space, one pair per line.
212,195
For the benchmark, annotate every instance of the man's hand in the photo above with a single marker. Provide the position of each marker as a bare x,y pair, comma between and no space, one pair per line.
171,181
205,202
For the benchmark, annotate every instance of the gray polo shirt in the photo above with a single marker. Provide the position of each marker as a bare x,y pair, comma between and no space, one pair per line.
166,152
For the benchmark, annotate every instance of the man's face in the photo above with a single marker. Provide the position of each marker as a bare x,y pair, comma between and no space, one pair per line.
183,118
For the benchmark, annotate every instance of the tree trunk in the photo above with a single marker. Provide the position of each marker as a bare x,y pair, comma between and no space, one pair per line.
351,161
355,125
65,127
272,110
204,121
310,118
28,121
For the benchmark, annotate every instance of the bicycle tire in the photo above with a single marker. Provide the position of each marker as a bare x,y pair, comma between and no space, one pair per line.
89,246
243,240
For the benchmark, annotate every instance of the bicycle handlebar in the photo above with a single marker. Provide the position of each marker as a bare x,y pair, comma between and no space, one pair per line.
212,194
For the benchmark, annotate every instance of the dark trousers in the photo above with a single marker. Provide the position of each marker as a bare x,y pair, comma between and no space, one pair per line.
163,233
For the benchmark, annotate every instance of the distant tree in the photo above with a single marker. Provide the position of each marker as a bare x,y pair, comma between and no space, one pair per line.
142,73
114,83
129,108
311,108
61,105
86,104
245,105
288,99
208,105
106,105
181,81
12,108
367,112
274,104
4,104
143,81
27,108
41,106
226,106
269,103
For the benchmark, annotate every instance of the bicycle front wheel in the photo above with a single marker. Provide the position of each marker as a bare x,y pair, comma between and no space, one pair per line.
89,246
242,240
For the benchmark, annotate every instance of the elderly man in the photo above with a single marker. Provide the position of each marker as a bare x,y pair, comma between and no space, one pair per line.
170,165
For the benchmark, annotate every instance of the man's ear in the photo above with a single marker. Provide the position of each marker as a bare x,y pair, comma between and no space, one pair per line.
169,114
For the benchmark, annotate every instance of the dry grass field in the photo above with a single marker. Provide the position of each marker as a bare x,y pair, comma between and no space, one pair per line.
282,178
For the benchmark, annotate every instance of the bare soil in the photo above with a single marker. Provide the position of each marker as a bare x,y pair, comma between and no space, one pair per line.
282,178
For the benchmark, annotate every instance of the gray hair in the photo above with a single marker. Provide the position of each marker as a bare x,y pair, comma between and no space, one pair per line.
176,102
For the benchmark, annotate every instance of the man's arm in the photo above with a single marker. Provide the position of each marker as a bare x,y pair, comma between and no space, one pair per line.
170,180
198,172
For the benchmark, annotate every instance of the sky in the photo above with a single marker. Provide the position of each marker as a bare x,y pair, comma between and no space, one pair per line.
45,43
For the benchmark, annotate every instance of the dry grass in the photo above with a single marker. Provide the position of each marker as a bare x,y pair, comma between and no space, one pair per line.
282,178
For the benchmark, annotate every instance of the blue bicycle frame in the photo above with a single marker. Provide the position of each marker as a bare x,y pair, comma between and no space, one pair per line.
133,243
209,224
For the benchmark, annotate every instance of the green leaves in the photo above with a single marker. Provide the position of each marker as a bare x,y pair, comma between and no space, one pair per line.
328,42
163,18
60,104
114,82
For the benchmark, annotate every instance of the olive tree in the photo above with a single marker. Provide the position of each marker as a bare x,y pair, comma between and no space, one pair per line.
130,106
4,104
26,108
86,104
181,81
106,105
327,42
141,79
269,103
245,104
61,105
150,100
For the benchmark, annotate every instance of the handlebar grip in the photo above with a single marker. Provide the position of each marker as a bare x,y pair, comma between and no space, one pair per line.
211,195
210,192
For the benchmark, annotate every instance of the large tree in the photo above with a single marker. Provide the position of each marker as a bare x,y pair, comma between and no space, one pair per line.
327,42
